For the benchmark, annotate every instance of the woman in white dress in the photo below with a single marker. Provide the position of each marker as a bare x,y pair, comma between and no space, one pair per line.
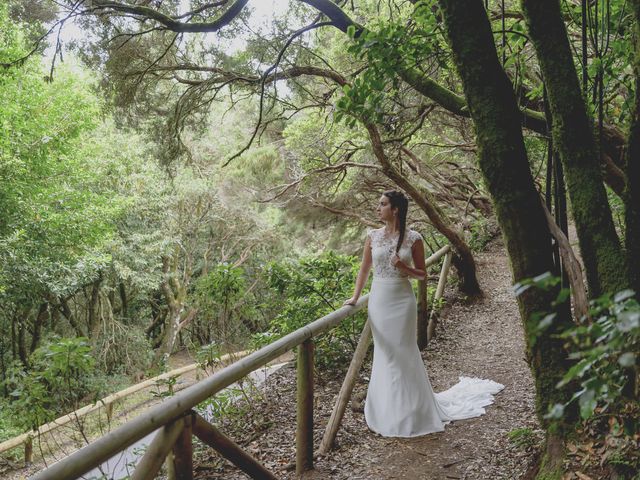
400,401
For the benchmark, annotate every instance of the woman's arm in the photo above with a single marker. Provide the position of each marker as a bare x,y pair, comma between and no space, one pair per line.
363,273
418,270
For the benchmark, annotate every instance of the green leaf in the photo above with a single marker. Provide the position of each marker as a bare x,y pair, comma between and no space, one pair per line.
578,370
556,412
628,321
623,295
587,404
546,321
627,359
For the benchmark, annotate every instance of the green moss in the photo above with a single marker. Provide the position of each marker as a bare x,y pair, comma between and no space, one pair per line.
552,462
503,161
549,475
604,261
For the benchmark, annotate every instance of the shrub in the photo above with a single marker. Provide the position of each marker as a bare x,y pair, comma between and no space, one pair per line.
60,377
309,289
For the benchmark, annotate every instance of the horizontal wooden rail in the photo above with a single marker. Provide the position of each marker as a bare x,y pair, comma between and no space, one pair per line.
173,408
106,402
159,415
433,259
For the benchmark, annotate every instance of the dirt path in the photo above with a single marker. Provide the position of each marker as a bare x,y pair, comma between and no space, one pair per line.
482,338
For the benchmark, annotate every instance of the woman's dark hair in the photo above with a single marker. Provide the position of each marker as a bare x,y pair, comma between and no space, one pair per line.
399,201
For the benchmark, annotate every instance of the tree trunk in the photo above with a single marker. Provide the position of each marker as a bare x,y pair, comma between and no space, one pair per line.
22,338
604,262
123,300
93,304
68,314
43,313
178,316
632,192
504,164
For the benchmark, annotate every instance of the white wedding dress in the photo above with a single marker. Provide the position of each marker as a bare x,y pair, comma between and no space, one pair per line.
400,400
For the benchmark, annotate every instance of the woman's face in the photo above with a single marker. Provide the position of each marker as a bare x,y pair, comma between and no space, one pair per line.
384,209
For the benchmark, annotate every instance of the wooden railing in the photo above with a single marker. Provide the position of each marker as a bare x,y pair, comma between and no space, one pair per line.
107,404
177,420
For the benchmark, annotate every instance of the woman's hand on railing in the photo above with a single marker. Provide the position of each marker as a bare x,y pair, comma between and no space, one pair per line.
352,301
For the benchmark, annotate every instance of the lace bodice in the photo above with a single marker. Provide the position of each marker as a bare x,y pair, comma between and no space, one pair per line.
383,247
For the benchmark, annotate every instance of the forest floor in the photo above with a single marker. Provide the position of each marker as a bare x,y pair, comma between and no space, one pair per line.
480,337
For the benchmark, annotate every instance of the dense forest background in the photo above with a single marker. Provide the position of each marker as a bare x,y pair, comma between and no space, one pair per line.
180,176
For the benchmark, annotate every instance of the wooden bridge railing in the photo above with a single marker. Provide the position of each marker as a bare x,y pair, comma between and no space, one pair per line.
178,422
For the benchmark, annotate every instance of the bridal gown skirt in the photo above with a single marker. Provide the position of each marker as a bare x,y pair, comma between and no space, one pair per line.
400,401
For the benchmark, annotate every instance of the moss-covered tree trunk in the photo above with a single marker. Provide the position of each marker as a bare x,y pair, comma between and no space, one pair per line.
603,258
503,161
632,192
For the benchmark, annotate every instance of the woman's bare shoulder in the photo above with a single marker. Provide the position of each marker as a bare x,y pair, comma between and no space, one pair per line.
413,236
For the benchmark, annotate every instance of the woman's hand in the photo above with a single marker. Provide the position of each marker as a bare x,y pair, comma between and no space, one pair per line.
352,301
396,262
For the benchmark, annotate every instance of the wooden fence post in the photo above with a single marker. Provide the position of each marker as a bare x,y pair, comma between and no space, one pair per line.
304,432
157,451
345,391
183,452
442,282
171,466
28,451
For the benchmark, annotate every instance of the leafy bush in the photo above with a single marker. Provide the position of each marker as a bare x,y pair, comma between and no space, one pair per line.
59,379
606,353
309,289
122,349
481,232
219,296
208,356
605,349
8,428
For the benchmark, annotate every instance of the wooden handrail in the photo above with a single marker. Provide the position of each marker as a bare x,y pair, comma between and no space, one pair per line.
173,408
156,417
105,402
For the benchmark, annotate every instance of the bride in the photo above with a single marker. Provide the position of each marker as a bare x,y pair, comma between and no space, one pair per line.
400,401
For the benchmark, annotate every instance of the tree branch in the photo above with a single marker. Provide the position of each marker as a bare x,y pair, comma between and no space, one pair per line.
170,22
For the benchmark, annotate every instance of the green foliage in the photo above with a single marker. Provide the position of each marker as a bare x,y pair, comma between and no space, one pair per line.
208,355
541,320
8,427
52,219
221,287
387,47
606,351
165,387
311,288
227,403
525,437
481,232
60,379
605,348
219,298
122,349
